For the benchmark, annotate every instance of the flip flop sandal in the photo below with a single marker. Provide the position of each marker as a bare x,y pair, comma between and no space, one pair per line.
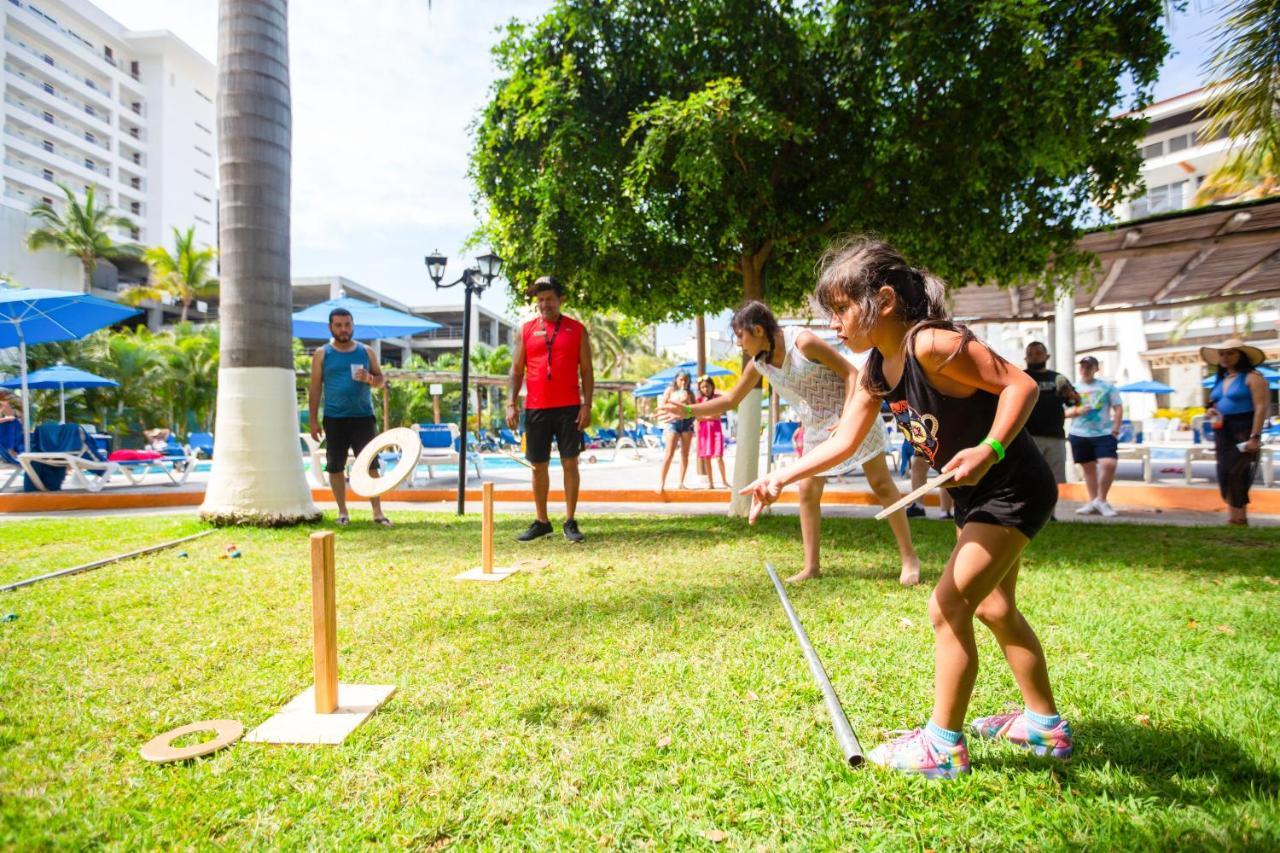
343,521
385,522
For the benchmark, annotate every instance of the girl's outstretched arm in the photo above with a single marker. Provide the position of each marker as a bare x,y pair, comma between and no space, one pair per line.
959,370
856,420
670,410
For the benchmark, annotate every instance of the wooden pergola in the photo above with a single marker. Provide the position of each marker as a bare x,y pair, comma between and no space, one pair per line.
1210,254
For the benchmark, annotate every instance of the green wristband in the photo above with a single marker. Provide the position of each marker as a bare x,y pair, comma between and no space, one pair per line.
688,410
995,445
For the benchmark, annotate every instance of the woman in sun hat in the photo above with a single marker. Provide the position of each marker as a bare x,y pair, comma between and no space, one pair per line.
1238,411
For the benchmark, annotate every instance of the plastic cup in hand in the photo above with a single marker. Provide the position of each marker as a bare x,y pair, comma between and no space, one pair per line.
355,372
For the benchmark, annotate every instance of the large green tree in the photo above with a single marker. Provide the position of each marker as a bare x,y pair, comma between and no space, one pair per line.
667,158
660,156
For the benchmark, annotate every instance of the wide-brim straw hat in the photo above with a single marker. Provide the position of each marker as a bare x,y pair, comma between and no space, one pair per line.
1254,355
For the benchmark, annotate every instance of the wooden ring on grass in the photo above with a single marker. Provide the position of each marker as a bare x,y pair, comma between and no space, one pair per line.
159,749
365,484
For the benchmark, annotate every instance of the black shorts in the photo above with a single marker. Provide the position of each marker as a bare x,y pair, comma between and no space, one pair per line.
541,425
1019,492
1091,448
343,434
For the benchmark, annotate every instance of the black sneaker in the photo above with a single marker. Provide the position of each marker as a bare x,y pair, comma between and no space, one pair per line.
571,531
915,511
536,531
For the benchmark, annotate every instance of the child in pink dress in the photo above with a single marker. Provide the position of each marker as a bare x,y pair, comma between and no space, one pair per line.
710,434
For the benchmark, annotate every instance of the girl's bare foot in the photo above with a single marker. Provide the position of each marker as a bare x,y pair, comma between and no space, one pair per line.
807,574
910,572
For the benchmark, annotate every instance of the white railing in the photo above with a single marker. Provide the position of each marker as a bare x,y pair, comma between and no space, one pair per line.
68,71
79,106
71,129
39,143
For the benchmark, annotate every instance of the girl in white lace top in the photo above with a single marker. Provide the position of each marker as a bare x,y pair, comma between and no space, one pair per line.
816,380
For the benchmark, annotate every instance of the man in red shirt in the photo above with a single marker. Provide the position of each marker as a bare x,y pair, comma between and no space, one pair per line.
552,352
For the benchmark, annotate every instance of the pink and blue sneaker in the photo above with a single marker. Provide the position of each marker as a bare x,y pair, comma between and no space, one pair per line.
1017,728
916,752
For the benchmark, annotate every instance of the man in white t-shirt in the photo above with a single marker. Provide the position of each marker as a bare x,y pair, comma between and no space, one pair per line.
1093,435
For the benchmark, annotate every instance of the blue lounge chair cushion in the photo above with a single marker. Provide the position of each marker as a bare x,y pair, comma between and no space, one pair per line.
57,438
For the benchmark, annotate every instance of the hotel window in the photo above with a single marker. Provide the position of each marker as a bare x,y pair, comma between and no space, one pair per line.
48,60
47,173
88,108
134,233
48,117
89,137
47,145
88,164
1178,143
48,87
46,200
1155,149
1161,199
135,207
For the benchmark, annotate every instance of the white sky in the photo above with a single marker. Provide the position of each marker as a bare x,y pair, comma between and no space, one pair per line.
383,93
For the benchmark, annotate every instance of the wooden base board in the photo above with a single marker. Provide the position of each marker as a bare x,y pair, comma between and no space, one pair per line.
501,573
298,721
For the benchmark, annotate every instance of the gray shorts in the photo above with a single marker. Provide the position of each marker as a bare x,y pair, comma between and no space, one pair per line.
1055,453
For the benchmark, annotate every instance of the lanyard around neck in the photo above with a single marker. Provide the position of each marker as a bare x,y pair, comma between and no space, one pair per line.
550,339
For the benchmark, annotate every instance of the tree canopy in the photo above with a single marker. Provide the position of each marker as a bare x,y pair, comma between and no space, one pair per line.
660,156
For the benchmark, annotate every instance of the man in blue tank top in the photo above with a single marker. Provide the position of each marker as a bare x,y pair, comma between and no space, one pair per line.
343,371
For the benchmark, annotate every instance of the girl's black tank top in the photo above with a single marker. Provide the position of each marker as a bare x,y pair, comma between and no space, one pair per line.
939,426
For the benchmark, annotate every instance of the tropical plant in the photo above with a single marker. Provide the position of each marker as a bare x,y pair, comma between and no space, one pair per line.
257,475
80,231
185,275
1244,101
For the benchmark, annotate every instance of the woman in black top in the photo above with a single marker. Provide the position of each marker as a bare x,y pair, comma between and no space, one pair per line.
963,408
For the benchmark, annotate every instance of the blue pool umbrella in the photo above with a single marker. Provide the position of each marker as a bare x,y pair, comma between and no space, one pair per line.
62,377
30,315
373,322
650,389
689,367
1268,373
1146,386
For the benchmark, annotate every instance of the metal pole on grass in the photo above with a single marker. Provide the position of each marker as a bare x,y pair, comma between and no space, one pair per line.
844,732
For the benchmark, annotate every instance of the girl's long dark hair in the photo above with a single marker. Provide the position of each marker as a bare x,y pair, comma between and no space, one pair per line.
853,269
751,314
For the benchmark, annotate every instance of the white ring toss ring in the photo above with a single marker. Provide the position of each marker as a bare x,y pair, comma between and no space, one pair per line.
365,484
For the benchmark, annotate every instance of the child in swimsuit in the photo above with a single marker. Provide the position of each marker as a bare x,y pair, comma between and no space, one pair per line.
963,408
816,380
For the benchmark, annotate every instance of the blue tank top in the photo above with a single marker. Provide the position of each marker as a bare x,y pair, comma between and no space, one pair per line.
344,397
1237,401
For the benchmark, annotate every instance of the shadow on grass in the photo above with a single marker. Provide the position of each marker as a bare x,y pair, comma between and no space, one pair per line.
569,715
1183,765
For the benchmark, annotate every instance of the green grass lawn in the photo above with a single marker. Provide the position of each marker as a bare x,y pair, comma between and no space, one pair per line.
644,690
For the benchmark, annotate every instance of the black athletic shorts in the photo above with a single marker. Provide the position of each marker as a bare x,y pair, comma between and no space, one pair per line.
541,425
1091,448
1019,492
343,434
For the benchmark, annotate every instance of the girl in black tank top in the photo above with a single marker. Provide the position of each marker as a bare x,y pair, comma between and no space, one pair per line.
962,407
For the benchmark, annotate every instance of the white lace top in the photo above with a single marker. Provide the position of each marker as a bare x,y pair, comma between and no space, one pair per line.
817,395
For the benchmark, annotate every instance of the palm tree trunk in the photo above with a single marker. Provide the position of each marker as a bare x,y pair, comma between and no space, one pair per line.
257,473
88,264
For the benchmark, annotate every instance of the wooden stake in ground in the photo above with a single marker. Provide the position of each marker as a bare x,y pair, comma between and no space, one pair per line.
327,711
486,570
324,622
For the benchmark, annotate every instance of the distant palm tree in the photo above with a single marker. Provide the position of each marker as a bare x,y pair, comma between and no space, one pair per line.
257,475
80,231
184,275
1244,101
1235,311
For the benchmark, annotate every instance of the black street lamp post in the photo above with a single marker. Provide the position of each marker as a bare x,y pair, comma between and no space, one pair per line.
474,280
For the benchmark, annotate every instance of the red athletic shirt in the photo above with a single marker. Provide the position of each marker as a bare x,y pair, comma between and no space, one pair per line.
565,337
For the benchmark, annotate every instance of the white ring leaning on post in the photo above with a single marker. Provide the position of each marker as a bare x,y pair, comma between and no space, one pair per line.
365,484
